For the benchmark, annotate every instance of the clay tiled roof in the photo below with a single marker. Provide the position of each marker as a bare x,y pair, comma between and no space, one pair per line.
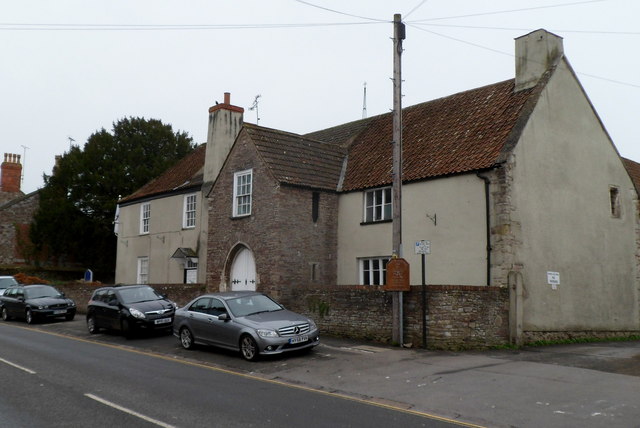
341,134
633,169
297,160
187,173
460,133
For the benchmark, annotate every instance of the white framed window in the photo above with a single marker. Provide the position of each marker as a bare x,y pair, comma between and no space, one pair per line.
143,270
189,212
145,217
377,205
242,188
373,270
191,271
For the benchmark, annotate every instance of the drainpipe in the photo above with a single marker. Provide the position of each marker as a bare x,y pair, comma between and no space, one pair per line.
488,224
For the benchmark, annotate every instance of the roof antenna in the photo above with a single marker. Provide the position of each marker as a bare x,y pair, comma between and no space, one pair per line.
24,162
254,106
364,102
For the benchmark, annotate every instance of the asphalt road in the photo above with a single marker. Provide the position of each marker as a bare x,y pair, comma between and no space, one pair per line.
580,385
50,378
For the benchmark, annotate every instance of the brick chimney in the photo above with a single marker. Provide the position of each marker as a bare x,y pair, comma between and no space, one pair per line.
10,173
536,53
225,122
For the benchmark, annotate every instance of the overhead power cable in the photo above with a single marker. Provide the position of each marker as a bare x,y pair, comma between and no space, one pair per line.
497,12
555,30
406,15
593,76
164,27
342,13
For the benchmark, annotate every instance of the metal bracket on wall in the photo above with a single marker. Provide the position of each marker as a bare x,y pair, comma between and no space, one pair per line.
433,218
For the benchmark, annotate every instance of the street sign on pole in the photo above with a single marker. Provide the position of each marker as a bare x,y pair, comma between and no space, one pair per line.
423,247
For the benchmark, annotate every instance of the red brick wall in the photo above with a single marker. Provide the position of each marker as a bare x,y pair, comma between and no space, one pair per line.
10,173
280,231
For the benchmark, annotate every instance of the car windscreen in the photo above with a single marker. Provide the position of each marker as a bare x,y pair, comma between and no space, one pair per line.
41,291
249,305
138,294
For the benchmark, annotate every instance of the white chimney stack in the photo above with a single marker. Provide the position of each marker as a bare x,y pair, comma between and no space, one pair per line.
536,53
225,122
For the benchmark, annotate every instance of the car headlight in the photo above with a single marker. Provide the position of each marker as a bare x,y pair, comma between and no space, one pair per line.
312,325
267,333
42,307
71,303
136,313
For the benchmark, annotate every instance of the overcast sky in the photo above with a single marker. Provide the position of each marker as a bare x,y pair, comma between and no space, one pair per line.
72,67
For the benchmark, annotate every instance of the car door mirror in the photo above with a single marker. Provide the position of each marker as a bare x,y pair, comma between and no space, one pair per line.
223,317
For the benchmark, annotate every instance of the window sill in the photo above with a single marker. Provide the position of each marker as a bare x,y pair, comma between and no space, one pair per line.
365,223
240,217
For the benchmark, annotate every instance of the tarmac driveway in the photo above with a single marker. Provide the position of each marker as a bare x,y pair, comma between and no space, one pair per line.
586,385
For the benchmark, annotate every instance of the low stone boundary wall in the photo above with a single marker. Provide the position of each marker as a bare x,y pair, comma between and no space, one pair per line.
458,317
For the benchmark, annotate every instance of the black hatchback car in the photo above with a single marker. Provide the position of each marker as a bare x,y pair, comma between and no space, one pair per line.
129,309
36,302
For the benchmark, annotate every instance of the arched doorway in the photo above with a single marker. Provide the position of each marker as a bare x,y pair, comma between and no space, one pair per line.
243,271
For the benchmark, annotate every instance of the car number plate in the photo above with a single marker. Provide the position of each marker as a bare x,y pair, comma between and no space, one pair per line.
298,339
163,321
60,311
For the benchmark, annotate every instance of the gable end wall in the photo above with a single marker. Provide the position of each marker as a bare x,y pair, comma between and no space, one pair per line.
280,231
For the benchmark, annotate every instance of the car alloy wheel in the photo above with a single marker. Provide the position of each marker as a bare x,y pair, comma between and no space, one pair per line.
91,325
186,338
248,348
5,315
29,317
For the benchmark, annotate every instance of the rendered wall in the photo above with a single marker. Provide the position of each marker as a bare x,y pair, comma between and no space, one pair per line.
165,236
458,236
562,169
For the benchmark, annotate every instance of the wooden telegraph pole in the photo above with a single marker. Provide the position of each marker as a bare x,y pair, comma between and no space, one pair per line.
398,37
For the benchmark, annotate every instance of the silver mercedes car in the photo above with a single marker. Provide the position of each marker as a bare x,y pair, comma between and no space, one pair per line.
244,321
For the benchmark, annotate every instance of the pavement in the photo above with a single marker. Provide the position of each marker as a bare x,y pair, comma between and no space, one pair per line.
577,385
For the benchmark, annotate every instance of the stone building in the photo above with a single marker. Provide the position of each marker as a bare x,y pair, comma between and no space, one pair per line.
16,212
530,211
